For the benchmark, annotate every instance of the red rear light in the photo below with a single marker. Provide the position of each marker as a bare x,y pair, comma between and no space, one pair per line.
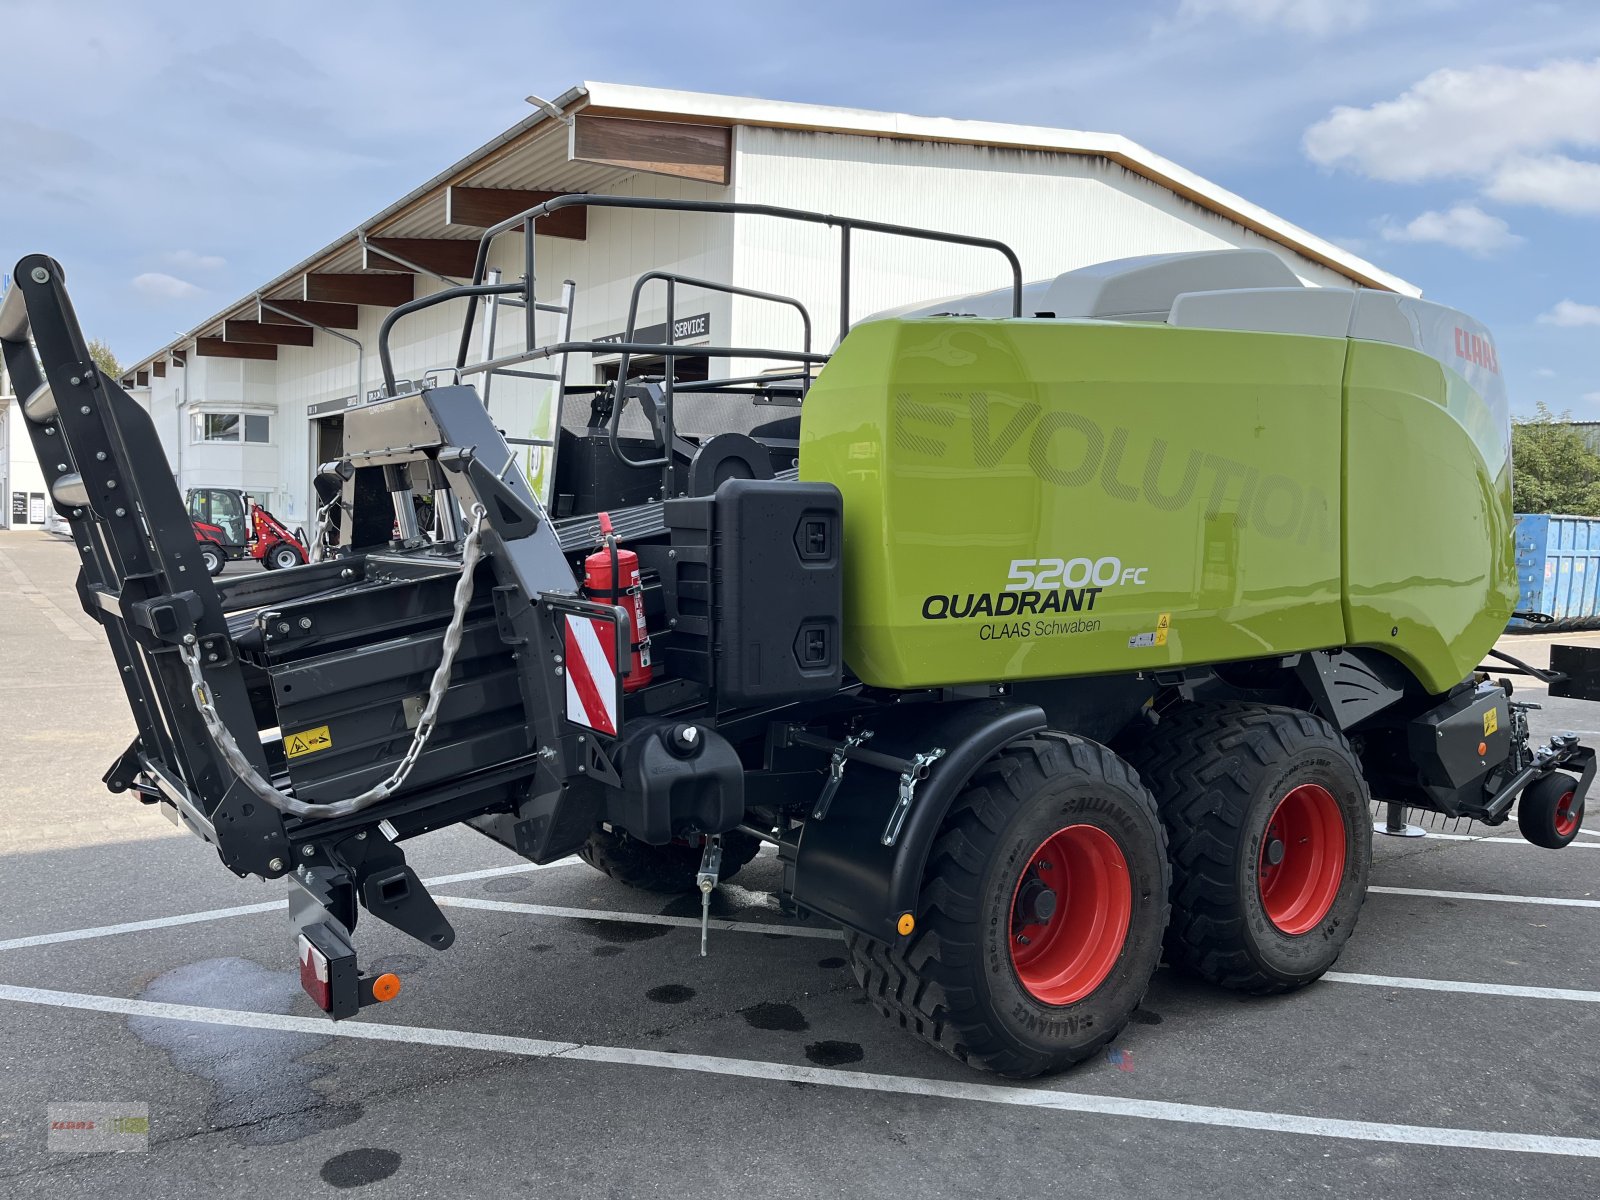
314,975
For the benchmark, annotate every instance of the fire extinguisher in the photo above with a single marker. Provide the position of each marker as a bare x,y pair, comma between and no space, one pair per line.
612,577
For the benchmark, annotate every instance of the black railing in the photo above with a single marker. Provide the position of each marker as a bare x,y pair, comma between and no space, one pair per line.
668,351
846,225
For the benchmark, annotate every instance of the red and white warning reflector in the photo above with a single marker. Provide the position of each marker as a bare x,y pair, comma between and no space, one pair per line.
592,681
315,977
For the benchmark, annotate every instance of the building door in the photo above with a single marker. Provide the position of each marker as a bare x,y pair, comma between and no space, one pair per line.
327,445
330,439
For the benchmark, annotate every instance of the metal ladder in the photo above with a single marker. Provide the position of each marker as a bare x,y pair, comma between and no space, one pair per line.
545,448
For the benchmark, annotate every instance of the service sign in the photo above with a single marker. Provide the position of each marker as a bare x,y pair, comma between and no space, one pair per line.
684,329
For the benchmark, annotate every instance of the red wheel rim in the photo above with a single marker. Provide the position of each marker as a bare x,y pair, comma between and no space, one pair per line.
1070,913
1302,859
1567,817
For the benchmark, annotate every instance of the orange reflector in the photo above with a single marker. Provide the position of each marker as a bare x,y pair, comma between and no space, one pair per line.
386,987
906,924
1483,748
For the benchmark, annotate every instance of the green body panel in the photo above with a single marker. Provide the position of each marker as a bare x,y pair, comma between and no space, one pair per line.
1030,499
1429,558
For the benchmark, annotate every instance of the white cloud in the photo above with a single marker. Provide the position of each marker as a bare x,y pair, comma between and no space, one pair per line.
188,260
1549,181
1466,227
1306,16
159,286
1569,314
1545,373
1592,397
1492,123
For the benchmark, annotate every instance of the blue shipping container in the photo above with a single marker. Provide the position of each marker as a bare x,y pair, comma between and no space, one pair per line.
1558,570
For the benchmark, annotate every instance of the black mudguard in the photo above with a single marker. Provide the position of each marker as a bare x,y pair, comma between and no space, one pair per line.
840,867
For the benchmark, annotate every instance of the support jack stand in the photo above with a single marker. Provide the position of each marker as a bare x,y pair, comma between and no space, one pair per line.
1395,825
706,881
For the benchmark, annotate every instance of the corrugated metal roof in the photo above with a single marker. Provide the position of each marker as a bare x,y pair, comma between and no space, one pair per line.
533,155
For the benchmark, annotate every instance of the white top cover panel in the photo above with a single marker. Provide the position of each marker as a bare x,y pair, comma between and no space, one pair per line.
1125,289
1320,312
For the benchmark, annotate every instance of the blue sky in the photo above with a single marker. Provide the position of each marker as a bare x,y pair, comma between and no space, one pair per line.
173,156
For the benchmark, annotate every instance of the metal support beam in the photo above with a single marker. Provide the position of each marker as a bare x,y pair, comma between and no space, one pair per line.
287,310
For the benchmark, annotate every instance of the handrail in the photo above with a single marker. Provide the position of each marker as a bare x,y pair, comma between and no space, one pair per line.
473,290
669,391
527,218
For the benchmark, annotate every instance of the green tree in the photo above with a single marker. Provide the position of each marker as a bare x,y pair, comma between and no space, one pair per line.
1555,469
104,359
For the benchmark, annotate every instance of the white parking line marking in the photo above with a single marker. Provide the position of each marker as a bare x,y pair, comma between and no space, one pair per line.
1459,985
987,1093
1496,840
633,918
242,910
552,910
1396,981
491,872
98,931
1558,901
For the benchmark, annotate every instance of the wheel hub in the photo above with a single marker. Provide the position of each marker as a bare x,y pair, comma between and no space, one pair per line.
1302,858
1067,934
1566,818
1035,905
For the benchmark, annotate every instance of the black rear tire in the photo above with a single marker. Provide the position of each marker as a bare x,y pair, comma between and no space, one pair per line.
215,560
955,982
1547,812
669,868
1222,775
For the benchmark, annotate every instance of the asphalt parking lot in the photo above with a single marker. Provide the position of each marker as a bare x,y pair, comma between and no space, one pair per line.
573,1042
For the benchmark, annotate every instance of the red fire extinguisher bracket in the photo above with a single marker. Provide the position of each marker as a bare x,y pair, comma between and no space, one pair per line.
611,576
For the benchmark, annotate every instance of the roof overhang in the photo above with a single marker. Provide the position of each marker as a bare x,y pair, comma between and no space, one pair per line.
618,99
545,153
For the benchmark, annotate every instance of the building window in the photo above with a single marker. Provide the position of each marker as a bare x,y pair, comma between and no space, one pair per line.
232,427
216,427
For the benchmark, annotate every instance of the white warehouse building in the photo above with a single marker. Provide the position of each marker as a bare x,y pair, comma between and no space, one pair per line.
253,397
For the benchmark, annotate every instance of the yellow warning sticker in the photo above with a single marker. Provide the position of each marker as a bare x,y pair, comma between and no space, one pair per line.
307,741
1491,721
1163,623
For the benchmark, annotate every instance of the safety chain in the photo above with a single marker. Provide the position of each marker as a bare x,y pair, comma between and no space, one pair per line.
223,739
